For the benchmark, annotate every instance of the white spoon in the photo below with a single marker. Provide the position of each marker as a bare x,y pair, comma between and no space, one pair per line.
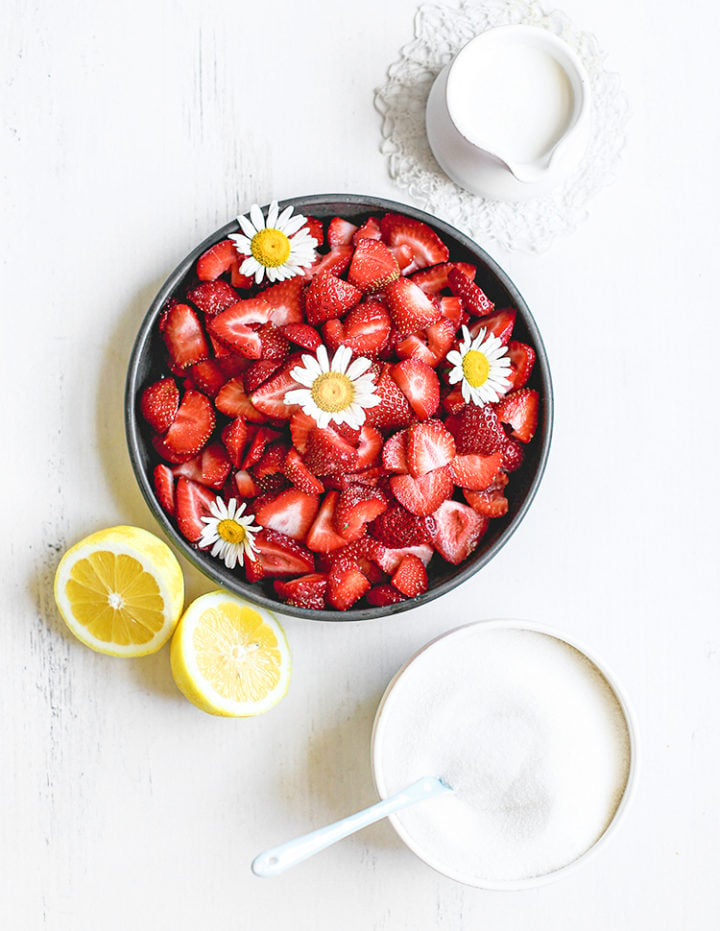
278,859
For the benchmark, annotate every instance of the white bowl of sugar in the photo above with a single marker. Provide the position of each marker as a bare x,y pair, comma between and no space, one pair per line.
534,737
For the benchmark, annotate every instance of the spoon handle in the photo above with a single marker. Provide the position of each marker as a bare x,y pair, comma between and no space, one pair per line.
277,859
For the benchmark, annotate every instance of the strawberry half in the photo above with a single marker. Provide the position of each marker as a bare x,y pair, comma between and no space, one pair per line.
373,266
393,454
519,410
306,591
397,527
280,555
365,329
458,530
489,503
391,558
420,385
500,323
211,467
473,298
302,334
340,232
233,326
192,502
522,359
513,455
159,403
435,279
382,595
292,512
346,584
315,228
217,260
422,495
356,507
428,446
427,247
479,430
394,409
184,337
233,401
328,296
322,536
336,261
164,485
328,452
410,577
286,301
269,398
410,308
475,471
211,297
193,424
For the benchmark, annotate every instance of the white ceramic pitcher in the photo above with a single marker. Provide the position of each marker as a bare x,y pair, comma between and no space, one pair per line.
509,117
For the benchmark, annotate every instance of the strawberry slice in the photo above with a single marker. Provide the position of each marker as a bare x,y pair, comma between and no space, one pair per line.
302,334
356,507
365,329
328,296
410,577
298,473
397,527
192,502
315,228
428,446
500,323
366,552
233,326
159,403
415,347
370,443
373,266
259,439
208,376
306,591
519,410
336,261
193,424
393,454
394,410
422,495
184,337
271,462
427,247
391,558
458,530
164,485
489,503
340,232
475,471
286,301
280,555
513,455
346,584
211,467
474,299
158,444
479,430
211,297
292,512
420,385
410,308
433,280
259,372
369,230
451,309
274,345
233,401
245,484
328,452
301,424
217,260
404,256
254,571
322,536
380,596
522,359
440,337
269,398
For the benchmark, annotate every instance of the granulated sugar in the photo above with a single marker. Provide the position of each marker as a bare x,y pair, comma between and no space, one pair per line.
529,735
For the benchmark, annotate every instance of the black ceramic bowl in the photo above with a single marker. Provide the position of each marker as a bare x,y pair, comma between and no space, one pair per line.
147,364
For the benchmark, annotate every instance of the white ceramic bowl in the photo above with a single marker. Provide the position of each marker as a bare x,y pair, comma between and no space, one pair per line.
390,712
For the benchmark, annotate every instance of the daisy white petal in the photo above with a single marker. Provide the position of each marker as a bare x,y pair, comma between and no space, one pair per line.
272,215
358,367
247,227
294,224
323,359
257,218
281,221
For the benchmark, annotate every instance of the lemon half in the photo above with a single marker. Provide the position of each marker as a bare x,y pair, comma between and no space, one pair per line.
229,657
120,591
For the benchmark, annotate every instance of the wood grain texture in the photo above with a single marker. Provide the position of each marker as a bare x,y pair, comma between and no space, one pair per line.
130,131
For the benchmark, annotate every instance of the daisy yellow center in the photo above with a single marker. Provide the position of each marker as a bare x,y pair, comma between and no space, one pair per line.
332,392
230,531
476,368
270,247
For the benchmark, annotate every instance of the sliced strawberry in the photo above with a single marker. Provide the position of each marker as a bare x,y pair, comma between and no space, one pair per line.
415,347
193,424
489,503
453,402
159,403
393,454
211,467
298,473
233,401
420,385
427,247
211,297
397,527
269,398
302,334
357,505
300,426
479,430
237,279
428,446
404,257
475,471
522,359
322,536
346,584
340,232
458,531
271,461
370,443
410,308
164,485
451,309
422,495
394,410
258,372
328,452
292,512
245,485
513,455
192,502
306,591
440,337
315,228
184,337
158,444
373,266
233,363
286,301
233,326
366,552
366,329
391,558
259,439
410,577
328,296
500,323
217,260
254,571
369,230
280,555
380,596
336,261
274,345
474,299
519,410
433,280
208,376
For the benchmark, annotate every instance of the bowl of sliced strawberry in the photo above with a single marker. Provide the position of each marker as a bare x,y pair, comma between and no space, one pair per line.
339,407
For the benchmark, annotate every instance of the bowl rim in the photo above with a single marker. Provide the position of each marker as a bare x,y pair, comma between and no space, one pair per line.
626,798
245,589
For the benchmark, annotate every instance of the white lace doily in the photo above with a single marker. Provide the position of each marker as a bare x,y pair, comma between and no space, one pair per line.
532,225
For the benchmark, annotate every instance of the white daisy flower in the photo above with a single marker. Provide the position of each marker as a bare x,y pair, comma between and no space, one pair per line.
231,535
276,248
481,365
337,391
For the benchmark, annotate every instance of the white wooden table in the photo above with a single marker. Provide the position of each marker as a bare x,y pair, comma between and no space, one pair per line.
132,130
